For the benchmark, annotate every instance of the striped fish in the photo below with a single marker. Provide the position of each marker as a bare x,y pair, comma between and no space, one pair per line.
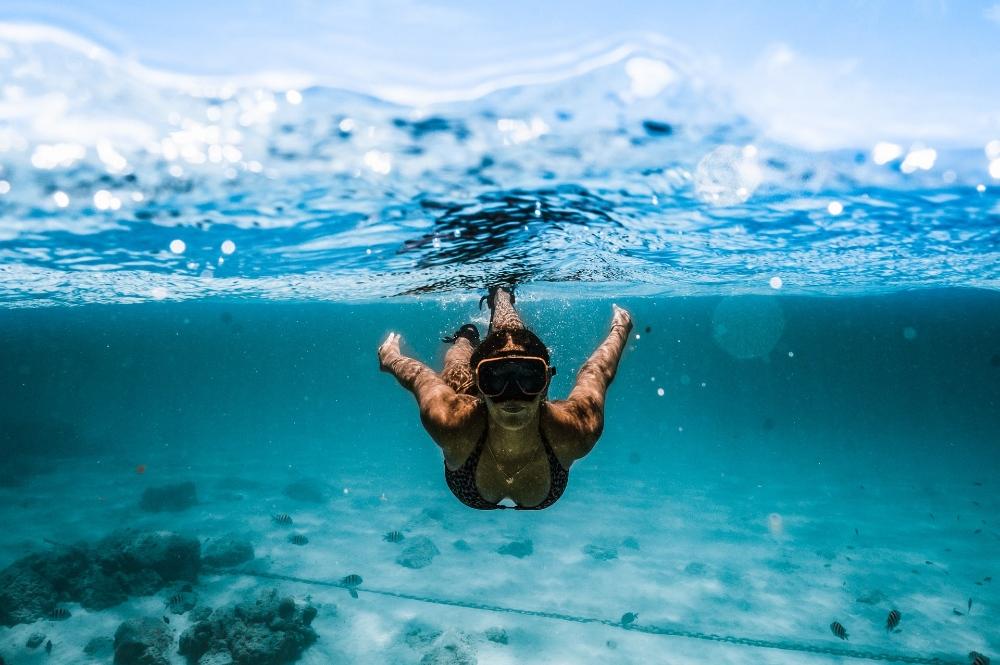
282,518
352,581
893,619
977,658
59,614
838,630
298,539
393,537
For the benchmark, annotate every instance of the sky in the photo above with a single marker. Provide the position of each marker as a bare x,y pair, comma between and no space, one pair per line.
924,69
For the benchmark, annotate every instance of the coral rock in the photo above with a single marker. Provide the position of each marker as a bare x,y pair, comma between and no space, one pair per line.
418,553
144,641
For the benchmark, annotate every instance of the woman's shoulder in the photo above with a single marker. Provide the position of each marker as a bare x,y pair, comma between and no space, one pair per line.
457,436
567,430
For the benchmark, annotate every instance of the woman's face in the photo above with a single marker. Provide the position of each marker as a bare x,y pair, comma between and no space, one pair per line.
513,414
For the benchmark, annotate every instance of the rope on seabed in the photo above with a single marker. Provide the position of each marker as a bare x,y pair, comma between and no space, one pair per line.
655,630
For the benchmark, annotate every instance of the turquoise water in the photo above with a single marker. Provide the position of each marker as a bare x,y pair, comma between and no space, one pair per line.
196,275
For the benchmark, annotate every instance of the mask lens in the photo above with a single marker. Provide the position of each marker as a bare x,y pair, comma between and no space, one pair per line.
527,374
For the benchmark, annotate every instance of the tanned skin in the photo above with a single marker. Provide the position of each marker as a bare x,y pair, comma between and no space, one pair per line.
513,463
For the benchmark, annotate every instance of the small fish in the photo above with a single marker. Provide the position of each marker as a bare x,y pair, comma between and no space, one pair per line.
987,579
977,484
298,539
978,531
166,619
48,648
282,519
176,599
977,658
352,581
856,532
629,618
60,614
838,630
140,469
649,329
957,613
393,537
970,606
893,619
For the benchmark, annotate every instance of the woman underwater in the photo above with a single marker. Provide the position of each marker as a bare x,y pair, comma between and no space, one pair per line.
488,409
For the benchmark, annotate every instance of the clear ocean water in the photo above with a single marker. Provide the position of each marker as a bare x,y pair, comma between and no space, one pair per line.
195,275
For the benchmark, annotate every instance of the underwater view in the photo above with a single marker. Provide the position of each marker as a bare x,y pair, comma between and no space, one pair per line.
277,348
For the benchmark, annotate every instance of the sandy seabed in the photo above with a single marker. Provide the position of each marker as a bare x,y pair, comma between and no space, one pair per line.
748,557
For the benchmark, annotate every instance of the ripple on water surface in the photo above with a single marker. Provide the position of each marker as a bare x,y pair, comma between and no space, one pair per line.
631,176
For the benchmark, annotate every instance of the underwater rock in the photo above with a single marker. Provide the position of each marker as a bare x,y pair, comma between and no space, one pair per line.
600,553
228,550
453,653
267,631
99,647
126,563
200,614
872,597
418,553
144,641
170,556
169,498
307,491
420,635
216,658
31,587
518,548
432,514
498,635
35,640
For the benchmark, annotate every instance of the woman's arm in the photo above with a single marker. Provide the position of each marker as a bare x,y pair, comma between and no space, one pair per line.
582,414
443,412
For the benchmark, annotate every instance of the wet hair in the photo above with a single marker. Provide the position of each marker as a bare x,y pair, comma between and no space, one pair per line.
491,347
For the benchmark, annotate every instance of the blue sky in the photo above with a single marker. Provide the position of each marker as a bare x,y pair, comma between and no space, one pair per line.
932,64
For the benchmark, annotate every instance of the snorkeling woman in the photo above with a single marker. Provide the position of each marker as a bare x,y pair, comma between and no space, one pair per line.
488,409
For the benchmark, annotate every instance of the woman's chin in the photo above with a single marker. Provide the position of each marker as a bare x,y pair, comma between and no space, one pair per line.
513,419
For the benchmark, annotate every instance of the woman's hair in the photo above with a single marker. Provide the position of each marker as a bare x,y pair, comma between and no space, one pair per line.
491,347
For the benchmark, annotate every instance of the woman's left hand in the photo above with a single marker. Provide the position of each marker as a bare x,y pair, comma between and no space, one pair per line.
388,352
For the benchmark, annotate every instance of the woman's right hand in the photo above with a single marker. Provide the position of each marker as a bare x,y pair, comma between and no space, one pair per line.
388,351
